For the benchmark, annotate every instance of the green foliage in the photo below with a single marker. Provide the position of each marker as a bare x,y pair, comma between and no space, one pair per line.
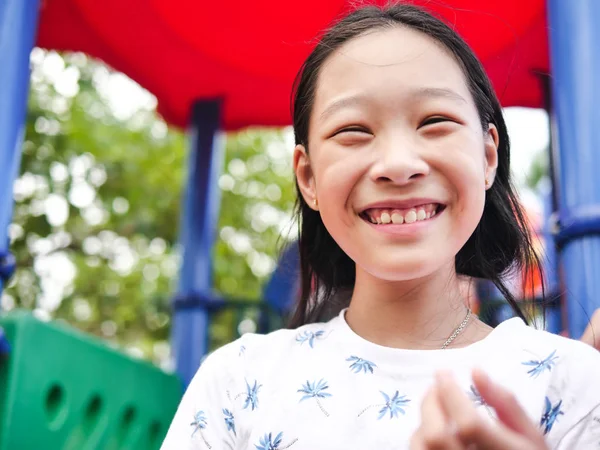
538,170
98,199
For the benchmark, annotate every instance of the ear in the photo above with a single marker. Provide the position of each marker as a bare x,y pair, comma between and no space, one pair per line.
492,140
305,177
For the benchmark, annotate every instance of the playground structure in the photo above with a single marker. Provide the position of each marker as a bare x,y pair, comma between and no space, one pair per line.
209,87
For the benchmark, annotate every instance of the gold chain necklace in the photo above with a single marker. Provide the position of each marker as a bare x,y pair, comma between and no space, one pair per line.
460,328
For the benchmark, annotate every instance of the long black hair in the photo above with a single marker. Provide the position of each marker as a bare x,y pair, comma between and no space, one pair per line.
500,244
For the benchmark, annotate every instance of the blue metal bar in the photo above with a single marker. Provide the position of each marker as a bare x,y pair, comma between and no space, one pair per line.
282,289
18,25
575,57
578,222
198,226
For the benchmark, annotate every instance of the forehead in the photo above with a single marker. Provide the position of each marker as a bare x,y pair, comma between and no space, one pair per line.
389,64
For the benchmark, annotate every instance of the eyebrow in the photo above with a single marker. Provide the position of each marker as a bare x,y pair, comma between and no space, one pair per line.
438,92
417,94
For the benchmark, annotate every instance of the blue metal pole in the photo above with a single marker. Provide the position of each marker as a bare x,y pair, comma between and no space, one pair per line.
282,289
198,226
550,266
18,25
575,57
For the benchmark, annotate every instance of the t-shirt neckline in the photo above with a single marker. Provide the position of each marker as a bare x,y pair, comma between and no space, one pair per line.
499,336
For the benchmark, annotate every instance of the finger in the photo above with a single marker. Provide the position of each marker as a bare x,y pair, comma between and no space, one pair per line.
471,428
509,411
433,421
420,442
459,409
435,432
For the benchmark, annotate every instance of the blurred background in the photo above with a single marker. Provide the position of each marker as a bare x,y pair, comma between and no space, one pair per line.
98,199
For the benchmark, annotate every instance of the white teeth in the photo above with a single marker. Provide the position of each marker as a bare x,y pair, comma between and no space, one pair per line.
411,216
397,218
389,216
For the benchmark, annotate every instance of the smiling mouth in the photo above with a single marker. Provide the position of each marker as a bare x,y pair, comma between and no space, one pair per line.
390,216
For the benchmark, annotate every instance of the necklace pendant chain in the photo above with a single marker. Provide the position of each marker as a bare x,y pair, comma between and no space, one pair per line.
460,328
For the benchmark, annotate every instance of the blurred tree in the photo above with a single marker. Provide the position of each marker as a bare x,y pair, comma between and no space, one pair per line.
538,170
97,204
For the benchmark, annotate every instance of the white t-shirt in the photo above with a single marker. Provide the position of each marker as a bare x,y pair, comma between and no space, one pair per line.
323,387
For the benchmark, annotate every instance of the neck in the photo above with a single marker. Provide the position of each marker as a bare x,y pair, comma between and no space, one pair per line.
414,314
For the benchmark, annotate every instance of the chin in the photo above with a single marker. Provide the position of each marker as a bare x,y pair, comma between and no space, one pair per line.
409,269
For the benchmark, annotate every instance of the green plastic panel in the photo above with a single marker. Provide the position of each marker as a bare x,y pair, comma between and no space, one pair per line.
62,390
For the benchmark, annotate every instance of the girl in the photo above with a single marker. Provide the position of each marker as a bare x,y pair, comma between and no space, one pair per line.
402,168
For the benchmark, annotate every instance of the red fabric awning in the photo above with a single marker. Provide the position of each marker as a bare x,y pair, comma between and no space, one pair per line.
248,52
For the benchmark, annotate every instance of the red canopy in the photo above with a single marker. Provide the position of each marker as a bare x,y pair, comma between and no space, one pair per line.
248,52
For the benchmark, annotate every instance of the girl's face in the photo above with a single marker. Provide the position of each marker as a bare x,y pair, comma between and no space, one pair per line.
397,155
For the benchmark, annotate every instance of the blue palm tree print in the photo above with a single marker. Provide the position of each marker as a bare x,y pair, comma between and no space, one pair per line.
476,397
252,395
267,442
229,421
315,390
550,415
199,424
309,336
361,365
394,405
539,366
478,400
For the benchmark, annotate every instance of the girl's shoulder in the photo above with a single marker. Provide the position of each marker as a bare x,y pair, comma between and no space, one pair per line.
266,349
563,357
554,377
574,355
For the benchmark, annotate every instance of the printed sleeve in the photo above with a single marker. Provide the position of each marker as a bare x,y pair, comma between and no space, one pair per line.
205,418
571,416
584,435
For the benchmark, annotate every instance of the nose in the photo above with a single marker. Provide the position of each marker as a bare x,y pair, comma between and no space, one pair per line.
398,161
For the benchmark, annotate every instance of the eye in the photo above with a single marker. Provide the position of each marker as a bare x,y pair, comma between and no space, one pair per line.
352,129
434,120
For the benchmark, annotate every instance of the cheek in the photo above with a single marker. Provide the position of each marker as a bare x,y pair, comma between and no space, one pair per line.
464,171
337,177
337,173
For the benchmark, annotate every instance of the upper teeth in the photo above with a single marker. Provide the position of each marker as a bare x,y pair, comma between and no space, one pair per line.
397,216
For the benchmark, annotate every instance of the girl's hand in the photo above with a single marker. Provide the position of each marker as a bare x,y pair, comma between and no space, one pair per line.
449,420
